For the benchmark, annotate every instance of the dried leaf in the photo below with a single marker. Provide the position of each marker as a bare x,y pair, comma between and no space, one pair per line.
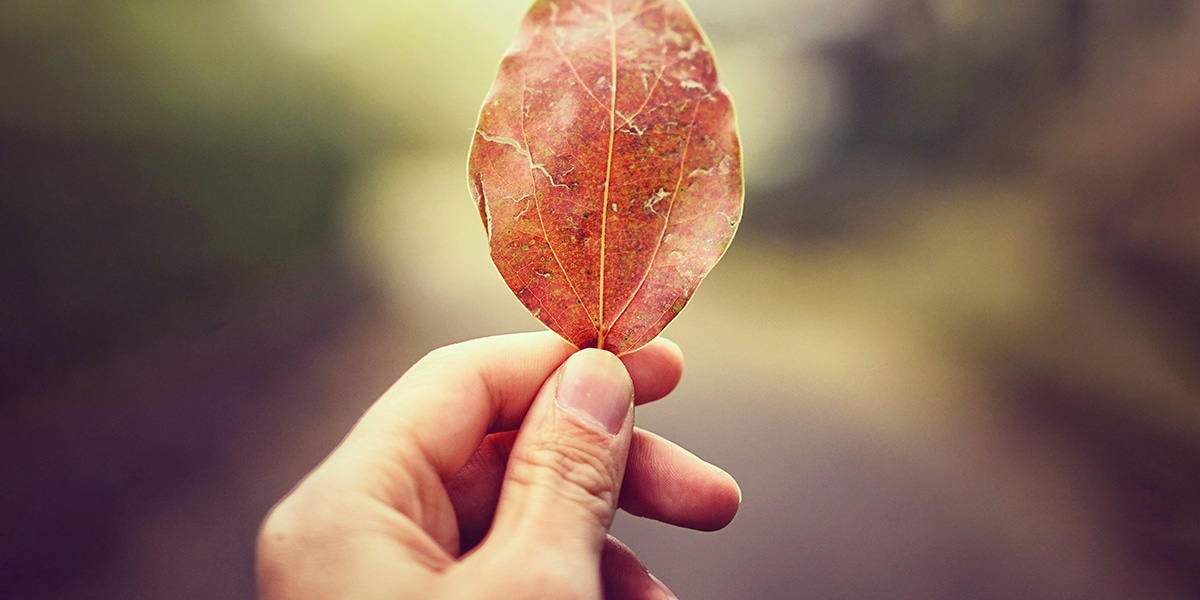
607,168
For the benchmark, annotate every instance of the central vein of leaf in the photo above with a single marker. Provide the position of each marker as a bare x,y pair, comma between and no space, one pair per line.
612,134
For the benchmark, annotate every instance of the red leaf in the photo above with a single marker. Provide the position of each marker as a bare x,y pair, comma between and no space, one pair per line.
607,167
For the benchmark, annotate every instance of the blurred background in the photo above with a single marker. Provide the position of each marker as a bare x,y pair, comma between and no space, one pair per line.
954,351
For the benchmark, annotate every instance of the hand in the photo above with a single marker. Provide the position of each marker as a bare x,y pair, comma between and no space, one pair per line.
435,493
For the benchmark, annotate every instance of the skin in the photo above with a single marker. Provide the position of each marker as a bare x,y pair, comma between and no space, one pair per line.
493,469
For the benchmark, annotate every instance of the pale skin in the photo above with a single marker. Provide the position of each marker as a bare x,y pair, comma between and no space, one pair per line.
493,469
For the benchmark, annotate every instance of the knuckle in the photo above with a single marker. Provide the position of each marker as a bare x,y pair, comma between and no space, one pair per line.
292,534
277,546
576,469
281,534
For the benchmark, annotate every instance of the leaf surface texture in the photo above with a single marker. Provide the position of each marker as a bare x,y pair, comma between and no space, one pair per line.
607,168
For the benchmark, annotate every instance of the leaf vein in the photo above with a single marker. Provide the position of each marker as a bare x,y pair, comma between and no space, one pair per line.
612,134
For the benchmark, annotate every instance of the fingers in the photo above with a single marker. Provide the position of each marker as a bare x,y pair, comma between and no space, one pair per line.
475,489
667,483
662,481
564,474
626,578
655,370
448,401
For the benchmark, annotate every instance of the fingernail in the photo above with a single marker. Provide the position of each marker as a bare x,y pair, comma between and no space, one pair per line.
663,587
594,385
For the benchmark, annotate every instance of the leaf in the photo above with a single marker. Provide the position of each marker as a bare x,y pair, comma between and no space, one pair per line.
607,168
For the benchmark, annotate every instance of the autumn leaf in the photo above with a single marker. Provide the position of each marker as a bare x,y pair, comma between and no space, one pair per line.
607,168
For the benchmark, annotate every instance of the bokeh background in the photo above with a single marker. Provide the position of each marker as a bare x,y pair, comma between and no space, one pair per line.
954,351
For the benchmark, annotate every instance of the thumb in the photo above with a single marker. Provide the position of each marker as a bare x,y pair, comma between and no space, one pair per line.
564,474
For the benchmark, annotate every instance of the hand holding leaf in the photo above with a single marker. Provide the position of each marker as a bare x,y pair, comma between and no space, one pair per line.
607,168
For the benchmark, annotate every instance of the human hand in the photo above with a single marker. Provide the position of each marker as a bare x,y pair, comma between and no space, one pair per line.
436,494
